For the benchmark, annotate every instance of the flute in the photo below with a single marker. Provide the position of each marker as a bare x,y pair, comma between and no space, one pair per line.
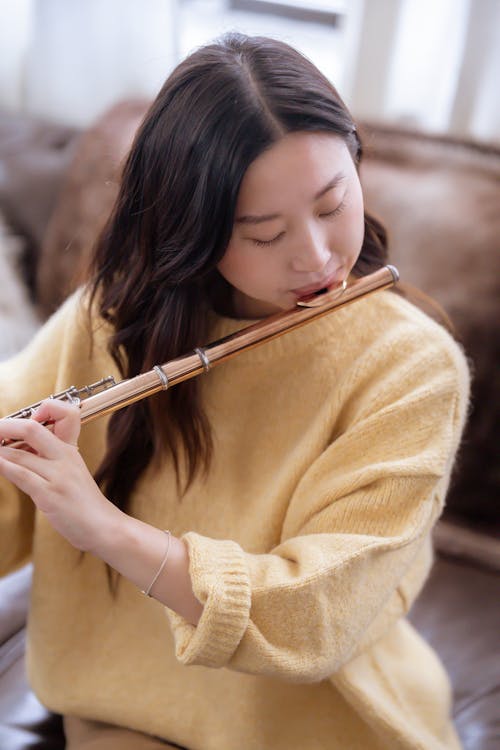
106,395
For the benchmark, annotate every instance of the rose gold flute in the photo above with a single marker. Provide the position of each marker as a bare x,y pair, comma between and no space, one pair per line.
107,396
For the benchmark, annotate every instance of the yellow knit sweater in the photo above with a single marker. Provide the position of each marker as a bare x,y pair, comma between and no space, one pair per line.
309,541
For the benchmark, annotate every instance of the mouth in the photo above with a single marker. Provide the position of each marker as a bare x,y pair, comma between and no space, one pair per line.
321,286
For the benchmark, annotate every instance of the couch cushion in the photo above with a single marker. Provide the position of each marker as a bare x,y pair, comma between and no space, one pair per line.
34,157
439,199
458,614
90,189
14,602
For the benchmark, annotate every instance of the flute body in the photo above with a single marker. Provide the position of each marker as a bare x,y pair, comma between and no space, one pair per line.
107,396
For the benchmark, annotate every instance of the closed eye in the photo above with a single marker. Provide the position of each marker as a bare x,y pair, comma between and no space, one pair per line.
265,243
327,215
335,212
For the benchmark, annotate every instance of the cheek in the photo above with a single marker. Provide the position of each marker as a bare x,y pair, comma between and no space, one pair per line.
235,265
356,219
356,194
360,226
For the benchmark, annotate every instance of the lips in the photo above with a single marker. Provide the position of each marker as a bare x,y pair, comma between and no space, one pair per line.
328,281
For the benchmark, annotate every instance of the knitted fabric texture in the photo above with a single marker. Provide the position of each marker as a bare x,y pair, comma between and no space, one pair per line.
309,540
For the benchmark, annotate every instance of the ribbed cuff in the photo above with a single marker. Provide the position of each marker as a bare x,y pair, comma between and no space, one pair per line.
221,582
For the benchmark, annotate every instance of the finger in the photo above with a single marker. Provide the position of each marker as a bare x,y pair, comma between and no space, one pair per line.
26,480
39,438
65,416
28,460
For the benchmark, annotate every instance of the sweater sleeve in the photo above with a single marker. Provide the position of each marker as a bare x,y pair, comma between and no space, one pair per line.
29,376
355,546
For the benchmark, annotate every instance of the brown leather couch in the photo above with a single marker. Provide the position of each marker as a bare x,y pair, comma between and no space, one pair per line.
439,198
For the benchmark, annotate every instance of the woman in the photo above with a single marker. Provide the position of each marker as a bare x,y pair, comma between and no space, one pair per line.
299,483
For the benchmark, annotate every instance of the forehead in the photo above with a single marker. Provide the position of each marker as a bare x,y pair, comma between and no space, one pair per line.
299,162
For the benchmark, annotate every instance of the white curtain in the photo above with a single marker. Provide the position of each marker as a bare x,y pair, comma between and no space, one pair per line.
433,64
70,59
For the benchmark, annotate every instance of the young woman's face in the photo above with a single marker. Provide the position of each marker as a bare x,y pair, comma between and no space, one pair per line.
299,224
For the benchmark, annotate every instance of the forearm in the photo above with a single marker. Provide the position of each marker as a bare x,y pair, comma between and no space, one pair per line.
136,550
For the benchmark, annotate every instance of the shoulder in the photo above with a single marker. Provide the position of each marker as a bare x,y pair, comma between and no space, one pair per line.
387,351
385,327
411,334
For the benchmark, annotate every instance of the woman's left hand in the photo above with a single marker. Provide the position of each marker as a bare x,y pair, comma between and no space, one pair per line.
54,474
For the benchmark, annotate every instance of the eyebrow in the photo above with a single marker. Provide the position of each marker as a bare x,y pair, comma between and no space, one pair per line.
250,219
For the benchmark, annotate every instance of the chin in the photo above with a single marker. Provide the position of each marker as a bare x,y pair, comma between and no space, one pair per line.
262,309
266,309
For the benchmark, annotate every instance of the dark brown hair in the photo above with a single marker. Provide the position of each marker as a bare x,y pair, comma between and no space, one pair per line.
154,271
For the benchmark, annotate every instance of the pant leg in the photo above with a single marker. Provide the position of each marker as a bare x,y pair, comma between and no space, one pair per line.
83,734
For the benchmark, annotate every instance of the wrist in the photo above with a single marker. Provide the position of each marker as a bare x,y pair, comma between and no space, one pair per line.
136,550
133,548
113,528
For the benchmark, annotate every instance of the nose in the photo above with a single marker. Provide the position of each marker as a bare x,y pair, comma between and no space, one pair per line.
312,253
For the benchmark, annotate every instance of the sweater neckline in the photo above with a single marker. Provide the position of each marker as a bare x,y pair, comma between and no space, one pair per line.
338,328
290,342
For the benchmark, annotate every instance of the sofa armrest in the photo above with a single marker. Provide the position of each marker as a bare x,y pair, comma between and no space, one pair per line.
14,602
462,543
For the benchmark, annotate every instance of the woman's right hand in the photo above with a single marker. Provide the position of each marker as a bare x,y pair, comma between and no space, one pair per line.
53,473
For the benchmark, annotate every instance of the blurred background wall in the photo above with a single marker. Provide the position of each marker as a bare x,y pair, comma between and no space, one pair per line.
431,64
